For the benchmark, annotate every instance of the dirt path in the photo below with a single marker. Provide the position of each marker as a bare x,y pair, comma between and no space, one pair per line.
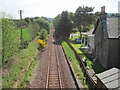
53,71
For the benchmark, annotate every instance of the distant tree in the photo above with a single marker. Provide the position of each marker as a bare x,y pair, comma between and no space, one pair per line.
113,15
44,24
27,20
36,17
32,19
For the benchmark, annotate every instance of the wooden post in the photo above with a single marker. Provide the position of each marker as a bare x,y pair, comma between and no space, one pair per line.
21,11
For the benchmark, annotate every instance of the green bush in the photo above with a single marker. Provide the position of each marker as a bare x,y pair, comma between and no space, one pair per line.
33,28
44,24
43,34
11,38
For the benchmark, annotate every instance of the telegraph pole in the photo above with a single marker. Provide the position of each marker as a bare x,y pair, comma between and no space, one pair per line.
20,12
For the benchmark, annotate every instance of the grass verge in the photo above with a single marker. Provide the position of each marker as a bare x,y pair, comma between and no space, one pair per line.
72,58
96,66
18,70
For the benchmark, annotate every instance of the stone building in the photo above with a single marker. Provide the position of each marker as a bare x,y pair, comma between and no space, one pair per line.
107,39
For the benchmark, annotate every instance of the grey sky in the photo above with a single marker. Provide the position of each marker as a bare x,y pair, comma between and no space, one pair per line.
51,8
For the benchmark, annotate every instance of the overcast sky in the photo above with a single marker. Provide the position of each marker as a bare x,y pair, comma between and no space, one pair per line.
51,8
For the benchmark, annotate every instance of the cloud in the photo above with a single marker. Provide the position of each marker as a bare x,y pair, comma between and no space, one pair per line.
51,8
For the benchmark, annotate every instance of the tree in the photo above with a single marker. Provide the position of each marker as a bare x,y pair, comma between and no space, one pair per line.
56,21
63,25
44,24
10,38
27,20
83,17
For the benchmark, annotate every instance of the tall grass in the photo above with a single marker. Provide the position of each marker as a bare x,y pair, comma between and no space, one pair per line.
73,60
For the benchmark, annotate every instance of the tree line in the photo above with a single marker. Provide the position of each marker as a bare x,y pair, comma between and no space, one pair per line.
68,22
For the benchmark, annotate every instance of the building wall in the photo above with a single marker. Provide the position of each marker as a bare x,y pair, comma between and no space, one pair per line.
113,53
119,52
105,48
101,46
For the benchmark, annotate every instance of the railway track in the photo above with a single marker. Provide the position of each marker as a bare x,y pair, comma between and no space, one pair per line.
53,76
53,72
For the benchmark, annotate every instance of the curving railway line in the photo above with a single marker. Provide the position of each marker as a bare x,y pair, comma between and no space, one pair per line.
53,71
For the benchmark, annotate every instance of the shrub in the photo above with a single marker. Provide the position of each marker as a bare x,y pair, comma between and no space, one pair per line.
11,38
43,34
41,43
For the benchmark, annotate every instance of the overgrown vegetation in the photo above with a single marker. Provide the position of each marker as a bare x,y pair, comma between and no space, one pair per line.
12,33
18,63
72,58
19,68
11,38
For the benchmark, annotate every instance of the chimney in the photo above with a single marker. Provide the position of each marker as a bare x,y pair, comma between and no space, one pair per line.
103,10
103,15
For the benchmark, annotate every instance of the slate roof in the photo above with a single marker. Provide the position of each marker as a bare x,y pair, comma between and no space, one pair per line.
110,78
111,26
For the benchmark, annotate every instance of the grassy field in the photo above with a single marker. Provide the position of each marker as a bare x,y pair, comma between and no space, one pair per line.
26,34
72,58
18,70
